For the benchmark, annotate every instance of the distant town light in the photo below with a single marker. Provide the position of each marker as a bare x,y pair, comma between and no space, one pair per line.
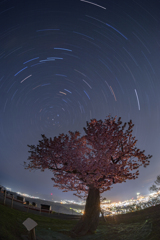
111,208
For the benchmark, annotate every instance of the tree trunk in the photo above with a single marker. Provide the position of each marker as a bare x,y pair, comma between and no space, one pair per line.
89,221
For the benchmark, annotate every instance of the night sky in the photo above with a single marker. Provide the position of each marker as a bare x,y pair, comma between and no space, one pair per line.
64,62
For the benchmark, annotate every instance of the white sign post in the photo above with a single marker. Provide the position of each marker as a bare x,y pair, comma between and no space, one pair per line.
30,225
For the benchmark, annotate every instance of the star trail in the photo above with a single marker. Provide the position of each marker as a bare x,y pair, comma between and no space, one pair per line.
66,62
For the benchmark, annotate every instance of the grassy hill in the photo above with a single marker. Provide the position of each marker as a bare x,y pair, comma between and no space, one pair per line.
144,224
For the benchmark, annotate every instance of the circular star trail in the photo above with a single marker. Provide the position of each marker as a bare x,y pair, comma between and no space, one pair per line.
66,62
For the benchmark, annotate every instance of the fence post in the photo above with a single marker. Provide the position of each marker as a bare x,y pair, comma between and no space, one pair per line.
4,197
12,202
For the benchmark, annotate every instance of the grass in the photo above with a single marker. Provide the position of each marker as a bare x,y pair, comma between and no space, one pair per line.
11,227
144,224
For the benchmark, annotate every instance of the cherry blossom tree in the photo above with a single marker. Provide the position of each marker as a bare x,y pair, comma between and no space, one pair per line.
90,164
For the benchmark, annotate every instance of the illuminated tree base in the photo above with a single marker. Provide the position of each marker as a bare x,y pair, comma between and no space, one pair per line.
89,221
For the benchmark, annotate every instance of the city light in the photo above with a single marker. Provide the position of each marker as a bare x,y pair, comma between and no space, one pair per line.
131,205
27,195
108,207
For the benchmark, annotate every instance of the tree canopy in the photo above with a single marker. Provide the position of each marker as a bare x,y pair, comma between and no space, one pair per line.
105,155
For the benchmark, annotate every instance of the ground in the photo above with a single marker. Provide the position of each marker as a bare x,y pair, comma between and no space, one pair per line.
138,225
